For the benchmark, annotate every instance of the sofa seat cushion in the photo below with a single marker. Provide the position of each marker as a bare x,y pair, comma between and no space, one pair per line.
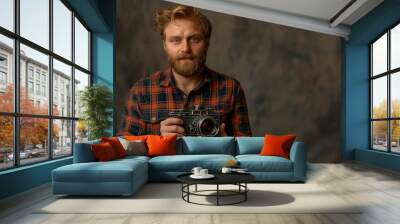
185,163
111,171
257,163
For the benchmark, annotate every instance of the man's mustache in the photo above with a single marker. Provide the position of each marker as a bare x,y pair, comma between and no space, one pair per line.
191,57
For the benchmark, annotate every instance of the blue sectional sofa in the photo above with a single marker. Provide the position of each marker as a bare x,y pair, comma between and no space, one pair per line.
125,176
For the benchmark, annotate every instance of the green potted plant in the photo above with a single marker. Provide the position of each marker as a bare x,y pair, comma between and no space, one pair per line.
96,102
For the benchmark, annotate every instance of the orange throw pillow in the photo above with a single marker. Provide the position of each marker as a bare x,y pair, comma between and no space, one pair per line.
135,137
277,145
103,151
161,145
116,145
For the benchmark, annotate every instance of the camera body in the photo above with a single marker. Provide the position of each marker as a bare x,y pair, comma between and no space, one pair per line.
198,122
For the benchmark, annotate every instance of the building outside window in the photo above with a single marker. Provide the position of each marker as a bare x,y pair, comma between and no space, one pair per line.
55,96
37,75
30,87
37,89
30,72
3,72
3,60
3,78
44,77
43,90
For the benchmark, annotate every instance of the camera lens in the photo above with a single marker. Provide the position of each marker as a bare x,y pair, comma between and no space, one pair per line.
208,127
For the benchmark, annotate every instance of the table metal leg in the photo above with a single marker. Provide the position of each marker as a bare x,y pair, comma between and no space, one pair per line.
245,193
217,194
182,189
188,190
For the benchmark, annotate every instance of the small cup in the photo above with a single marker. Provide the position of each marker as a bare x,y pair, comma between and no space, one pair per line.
196,170
226,170
203,172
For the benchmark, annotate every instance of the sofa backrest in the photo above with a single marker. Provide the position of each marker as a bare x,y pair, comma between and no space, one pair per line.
83,153
191,146
206,145
249,145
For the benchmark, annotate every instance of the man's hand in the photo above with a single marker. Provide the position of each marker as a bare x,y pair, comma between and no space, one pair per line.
172,125
222,131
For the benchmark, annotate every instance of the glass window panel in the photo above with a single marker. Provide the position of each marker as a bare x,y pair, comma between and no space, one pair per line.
81,131
39,62
7,14
379,55
395,136
395,47
81,81
62,28
6,74
33,140
62,91
379,97
34,21
81,45
395,94
379,135
6,142
62,138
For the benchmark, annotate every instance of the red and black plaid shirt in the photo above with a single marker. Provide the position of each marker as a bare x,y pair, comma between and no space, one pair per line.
152,98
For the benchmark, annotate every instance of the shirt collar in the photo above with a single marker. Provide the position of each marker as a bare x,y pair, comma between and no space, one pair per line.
167,77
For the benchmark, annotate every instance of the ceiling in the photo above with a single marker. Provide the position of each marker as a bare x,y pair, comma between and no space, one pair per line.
319,9
333,17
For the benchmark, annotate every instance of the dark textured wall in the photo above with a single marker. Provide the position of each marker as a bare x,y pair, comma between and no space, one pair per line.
291,77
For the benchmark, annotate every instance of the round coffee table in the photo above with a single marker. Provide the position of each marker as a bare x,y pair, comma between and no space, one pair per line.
238,179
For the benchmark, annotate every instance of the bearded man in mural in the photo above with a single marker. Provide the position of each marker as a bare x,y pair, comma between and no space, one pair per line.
187,98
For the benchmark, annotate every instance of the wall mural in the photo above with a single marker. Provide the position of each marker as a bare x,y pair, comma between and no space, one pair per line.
291,77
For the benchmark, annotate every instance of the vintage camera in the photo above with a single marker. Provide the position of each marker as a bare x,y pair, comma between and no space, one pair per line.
198,122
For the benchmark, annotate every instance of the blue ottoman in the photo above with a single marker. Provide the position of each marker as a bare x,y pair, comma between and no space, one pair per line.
118,177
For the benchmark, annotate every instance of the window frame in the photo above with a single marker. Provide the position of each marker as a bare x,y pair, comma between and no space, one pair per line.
16,114
388,74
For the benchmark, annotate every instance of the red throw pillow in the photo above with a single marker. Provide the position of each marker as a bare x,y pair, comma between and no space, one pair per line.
135,137
103,151
277,145
116,145
161,145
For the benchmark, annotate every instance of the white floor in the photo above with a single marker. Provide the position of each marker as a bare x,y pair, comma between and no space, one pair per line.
378,189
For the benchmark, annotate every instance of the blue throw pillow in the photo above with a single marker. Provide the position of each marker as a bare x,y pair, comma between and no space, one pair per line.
249,145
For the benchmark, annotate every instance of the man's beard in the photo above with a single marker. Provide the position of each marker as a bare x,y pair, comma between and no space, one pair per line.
188,64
